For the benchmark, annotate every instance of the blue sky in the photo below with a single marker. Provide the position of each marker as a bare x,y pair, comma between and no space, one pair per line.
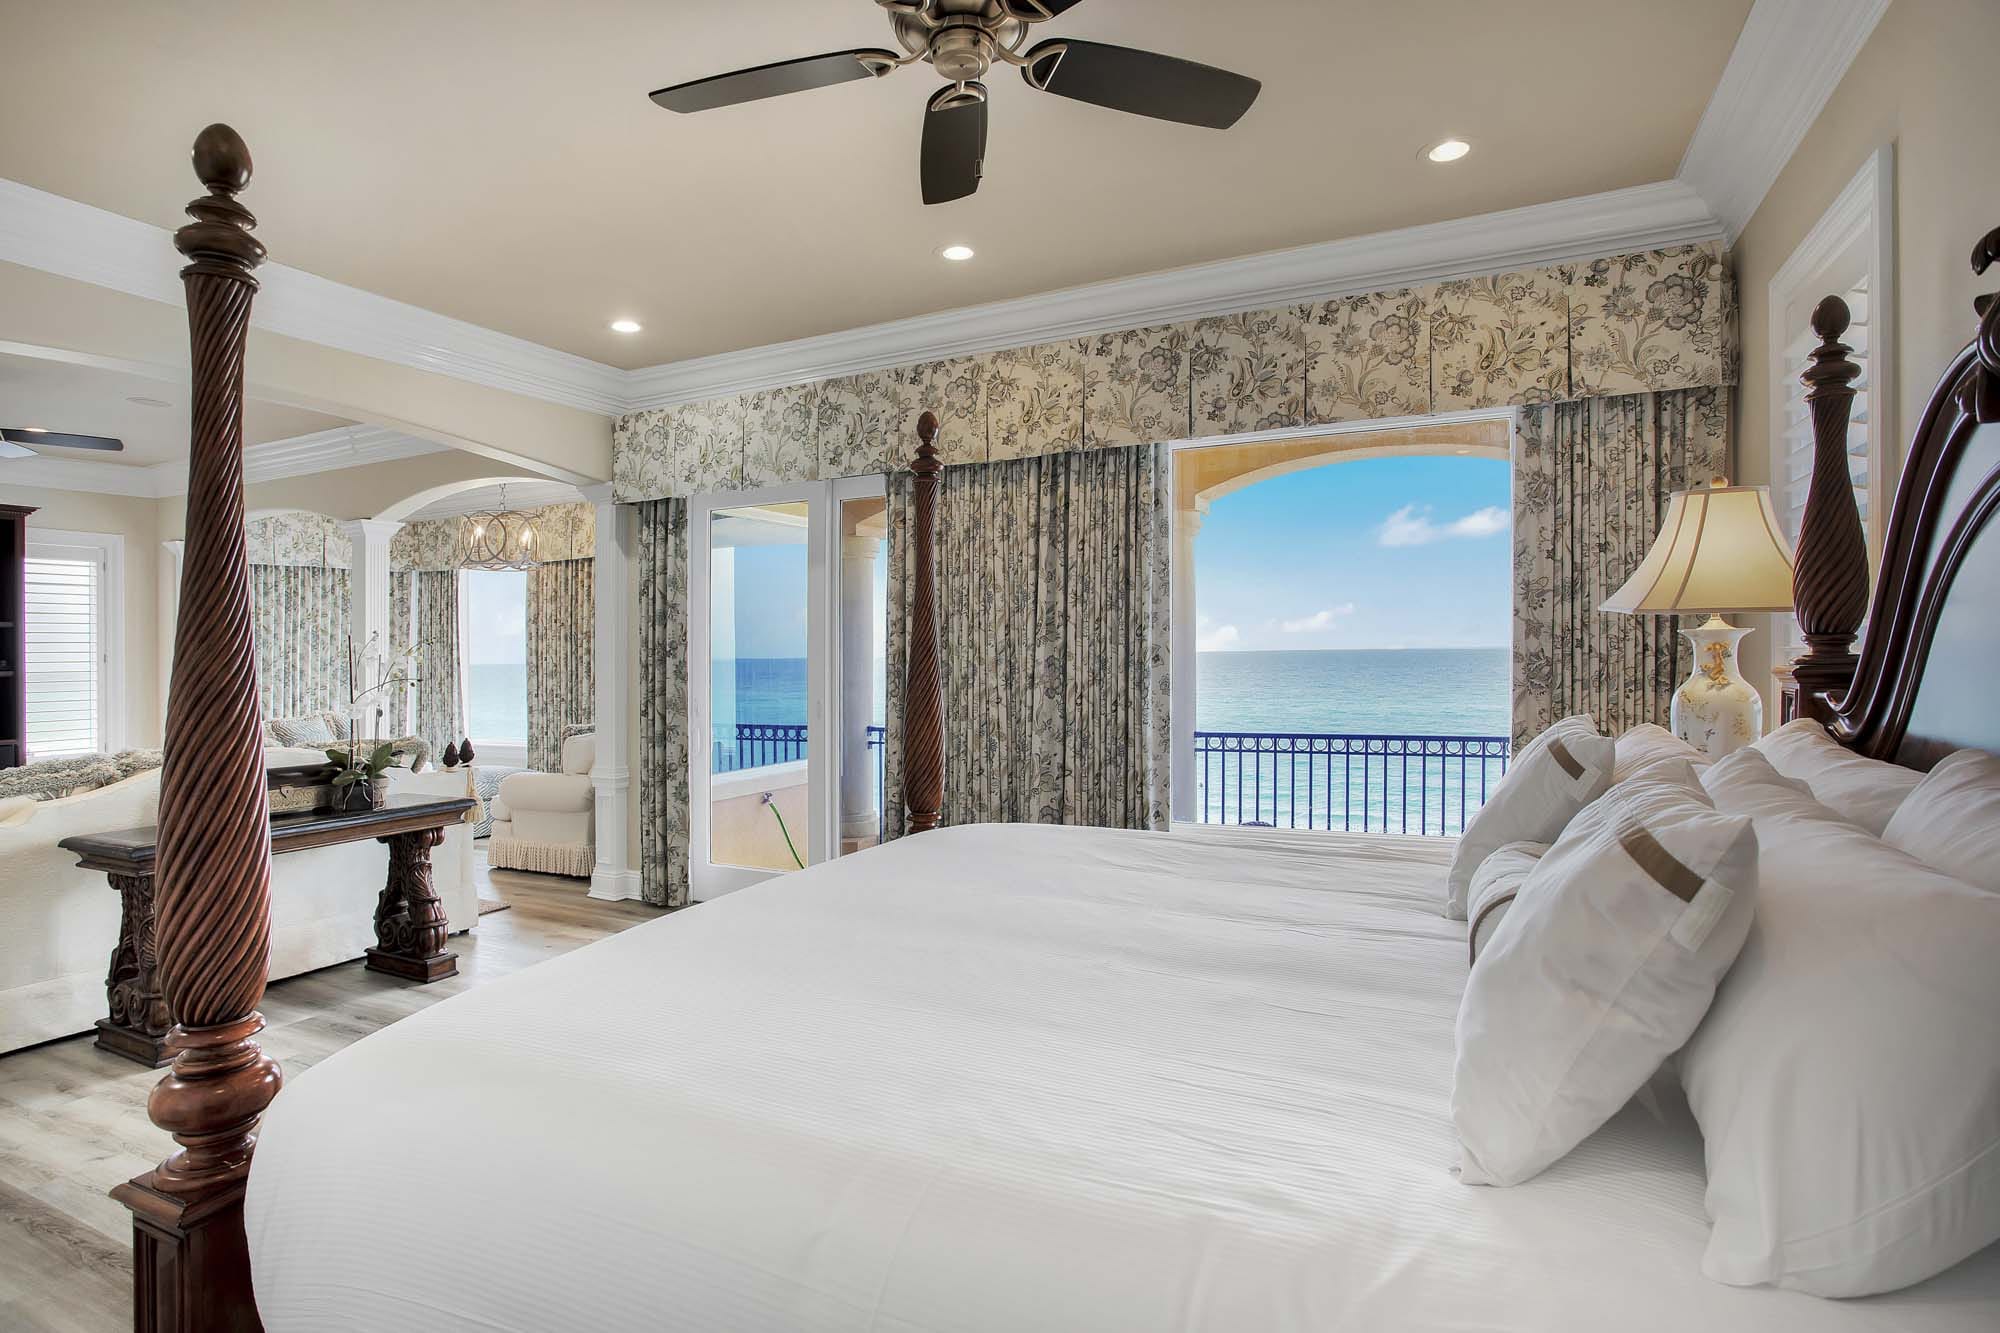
1375,553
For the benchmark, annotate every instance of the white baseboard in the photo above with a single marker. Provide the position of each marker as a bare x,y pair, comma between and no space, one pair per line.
615,886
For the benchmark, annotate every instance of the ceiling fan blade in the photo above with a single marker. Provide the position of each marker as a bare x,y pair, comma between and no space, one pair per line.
775,80
61,439
954,145
1142,82
1034,11
14,451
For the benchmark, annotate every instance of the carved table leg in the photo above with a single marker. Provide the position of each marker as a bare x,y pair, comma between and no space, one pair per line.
410,924
137,1026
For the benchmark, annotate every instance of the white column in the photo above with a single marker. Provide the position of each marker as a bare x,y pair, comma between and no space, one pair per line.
858,816
612,657
1186,795
171,555
368,588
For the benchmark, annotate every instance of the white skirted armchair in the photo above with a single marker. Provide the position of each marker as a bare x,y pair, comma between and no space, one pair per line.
548,821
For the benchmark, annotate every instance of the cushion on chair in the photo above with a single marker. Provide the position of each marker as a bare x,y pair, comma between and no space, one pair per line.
560,793
579,753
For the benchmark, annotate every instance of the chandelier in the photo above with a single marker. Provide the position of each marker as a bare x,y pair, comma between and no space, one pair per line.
499,538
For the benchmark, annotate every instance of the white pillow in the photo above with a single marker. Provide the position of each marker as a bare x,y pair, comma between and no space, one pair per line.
1863,791
1494,887
17,810
1745,783
1607,961
1647,744
1951,820
1847,1079
1555,775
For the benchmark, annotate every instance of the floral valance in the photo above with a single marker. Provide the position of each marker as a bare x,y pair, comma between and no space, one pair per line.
1639,323
562,532
298,538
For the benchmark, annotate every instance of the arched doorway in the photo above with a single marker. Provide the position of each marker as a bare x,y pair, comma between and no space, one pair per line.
1343,603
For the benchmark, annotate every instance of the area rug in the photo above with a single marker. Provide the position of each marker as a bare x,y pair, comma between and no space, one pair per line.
487,905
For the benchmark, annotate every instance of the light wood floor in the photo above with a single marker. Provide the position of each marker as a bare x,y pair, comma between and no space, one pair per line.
73,1119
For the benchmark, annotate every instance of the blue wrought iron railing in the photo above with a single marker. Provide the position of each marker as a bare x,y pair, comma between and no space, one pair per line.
1355,783
756,744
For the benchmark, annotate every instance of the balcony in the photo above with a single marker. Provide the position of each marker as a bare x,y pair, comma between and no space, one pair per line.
1330,781
1351,783
759,764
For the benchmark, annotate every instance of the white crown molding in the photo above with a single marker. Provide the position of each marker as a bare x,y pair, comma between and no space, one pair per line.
1788,59
1638,218
74,240
300,456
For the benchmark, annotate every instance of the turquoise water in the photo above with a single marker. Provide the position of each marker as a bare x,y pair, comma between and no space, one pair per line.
1405,691
496,703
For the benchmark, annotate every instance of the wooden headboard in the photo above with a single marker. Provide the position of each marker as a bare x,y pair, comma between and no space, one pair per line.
1924,682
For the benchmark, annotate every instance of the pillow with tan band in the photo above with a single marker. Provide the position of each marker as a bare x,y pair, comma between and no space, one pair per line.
1495,885
1554,776
1608,960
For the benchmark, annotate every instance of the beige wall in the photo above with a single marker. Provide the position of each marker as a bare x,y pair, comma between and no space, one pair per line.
1924,82
132,519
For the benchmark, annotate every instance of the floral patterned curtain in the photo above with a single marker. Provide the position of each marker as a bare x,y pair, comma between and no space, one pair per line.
402,634
562,622
1591,482
301,623
440,698
1053,605
663,703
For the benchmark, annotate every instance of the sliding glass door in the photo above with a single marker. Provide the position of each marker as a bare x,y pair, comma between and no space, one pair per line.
785,678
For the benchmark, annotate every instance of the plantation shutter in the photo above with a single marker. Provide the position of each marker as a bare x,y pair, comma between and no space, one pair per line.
65,650
1795,475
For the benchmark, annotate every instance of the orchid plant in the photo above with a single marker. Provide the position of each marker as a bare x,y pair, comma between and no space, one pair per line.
373,671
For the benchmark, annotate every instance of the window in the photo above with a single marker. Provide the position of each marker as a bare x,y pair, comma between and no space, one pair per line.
73,617
1344,600
1848,253
494,609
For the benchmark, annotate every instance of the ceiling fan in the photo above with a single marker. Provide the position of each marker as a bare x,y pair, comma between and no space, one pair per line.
962,39
14,439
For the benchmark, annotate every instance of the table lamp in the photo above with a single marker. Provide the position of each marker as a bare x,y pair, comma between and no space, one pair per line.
1720,552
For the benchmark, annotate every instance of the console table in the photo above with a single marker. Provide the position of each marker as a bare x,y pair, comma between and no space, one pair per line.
410,924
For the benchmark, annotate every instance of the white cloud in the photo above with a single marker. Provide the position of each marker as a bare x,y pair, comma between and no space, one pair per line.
1210,637
1411,526
1318,620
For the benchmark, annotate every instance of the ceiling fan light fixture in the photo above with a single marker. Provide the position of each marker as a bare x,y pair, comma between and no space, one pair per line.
1447,150
957,254
626,326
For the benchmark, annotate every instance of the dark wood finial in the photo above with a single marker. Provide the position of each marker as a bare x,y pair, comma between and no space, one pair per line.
927,463
1830,578
219,240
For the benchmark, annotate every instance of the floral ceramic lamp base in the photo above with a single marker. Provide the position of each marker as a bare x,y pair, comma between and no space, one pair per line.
1715,709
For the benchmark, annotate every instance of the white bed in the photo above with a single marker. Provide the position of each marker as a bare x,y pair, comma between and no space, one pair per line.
989,1078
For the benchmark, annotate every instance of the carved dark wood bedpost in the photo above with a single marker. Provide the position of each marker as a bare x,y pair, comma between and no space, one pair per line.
1830,580
923,723
191,1267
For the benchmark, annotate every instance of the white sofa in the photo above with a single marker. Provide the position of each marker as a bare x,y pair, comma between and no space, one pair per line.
59,922
548,821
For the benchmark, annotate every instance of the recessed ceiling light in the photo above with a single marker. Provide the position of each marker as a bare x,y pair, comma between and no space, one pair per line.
625,326
1450,150
957,254
143,401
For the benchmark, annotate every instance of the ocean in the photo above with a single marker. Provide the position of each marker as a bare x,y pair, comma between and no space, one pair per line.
496,702
1401,691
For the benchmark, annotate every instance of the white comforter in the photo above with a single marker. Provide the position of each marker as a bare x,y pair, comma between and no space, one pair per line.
990,1078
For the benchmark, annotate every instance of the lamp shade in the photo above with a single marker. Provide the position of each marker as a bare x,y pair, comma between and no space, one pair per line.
1719,551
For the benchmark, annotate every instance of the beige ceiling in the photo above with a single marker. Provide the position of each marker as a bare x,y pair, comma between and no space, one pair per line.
84,400
500,163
